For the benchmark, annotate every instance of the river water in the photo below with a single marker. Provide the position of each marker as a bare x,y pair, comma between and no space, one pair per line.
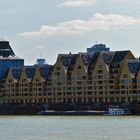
69,128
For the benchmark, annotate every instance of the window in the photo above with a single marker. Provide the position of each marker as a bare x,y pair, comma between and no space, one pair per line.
100,71
79,67
79,72
123,81
84,77
59,83
125,75
106,77
78,82
58,89
69,93
78,88
69,88
79,78
57,68
94,77
79,93
59,93
57,73
49,93
90,87
100,66
23,80
10,80
73,78
100,76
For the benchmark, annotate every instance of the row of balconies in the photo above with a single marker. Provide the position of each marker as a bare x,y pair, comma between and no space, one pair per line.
74,88
63,94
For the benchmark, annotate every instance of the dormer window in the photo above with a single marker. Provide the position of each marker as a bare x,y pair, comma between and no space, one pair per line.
79,67
23,80
57,68
125,75
100,66
10,80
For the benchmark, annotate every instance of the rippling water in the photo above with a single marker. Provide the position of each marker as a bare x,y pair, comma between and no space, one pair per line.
69,128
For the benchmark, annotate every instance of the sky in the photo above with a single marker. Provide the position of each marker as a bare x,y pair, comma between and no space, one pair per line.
46,28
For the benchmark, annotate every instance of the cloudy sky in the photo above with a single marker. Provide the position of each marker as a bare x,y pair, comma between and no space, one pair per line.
44,28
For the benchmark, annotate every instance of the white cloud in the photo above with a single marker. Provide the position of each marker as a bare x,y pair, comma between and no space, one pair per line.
96,22
39,47
77,2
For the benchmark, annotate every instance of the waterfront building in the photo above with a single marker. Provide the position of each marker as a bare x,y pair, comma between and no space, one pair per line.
8,59
98,48
104,77
24,85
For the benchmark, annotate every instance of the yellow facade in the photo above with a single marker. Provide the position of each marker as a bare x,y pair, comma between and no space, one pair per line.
72,80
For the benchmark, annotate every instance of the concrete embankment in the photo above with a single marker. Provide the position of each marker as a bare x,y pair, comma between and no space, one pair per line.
18,110
60,109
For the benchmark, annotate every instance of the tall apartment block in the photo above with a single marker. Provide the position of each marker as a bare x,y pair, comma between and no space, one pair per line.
8,59
98,48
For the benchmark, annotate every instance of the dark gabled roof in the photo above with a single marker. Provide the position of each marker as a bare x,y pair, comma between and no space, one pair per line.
94,58
71,65
5,49
86,58
119,56
93,62
107,57
30,71
50,72
134,66
44,71
74,58
66,59
16,72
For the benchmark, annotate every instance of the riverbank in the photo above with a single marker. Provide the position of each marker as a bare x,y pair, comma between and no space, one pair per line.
60,109
73,112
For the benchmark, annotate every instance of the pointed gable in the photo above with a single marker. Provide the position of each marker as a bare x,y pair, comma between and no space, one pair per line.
23,76
98,63
59,71
37,76
121,55
125,71
9,77
78,66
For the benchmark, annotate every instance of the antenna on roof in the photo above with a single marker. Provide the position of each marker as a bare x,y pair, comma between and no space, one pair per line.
96,42
40,55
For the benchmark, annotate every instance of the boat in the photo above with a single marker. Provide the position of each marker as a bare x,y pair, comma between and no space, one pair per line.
115,110
70,112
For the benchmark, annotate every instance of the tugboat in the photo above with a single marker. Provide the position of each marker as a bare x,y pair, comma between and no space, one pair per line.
115,110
